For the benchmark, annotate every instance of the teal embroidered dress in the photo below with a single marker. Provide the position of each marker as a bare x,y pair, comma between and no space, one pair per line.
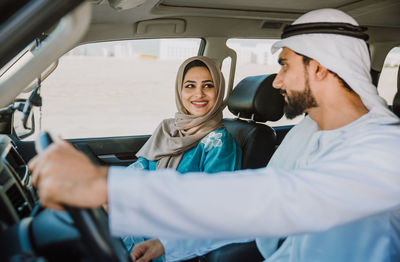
216,152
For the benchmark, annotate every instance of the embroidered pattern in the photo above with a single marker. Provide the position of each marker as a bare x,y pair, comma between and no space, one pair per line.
138,165
213,139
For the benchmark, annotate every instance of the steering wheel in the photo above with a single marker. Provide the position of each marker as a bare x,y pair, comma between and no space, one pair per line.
92,225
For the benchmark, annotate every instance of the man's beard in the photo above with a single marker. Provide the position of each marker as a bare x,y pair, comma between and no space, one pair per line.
299,101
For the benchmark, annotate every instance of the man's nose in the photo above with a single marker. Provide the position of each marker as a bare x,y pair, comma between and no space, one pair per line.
277,83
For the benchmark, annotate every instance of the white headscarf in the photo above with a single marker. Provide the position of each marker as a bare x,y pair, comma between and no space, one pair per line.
346,56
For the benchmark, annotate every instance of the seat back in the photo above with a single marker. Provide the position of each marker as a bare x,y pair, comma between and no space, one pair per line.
254,101
396,99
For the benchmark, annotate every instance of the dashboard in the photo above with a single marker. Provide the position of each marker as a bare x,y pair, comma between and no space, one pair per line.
17,194
28,232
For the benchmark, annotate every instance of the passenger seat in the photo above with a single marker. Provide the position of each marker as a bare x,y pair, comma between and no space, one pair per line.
254,101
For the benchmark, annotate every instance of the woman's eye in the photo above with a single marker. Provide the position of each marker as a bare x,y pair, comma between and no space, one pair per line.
189,86
208,85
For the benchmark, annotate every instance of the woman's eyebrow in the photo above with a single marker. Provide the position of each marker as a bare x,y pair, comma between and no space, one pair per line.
192,81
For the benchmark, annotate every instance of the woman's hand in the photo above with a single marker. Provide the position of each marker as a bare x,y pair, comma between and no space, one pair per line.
147,250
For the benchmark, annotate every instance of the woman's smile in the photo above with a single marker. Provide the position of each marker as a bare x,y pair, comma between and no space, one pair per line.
200,103
198,91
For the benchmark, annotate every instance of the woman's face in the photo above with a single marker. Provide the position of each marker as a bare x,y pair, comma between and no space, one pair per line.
198,91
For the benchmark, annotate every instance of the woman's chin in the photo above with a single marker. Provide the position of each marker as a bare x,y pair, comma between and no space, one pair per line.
199,113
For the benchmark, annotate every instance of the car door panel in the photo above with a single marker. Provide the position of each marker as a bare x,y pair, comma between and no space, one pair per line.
111,150
105,150
118,151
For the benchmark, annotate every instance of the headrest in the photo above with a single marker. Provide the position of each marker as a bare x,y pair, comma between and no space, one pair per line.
255,98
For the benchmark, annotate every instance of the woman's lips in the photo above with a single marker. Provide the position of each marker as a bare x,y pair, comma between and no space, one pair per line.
199,104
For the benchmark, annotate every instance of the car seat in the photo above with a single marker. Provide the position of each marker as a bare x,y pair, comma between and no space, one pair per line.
254,101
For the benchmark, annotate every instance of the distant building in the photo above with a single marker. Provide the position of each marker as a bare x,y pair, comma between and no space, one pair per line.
248,52
258,53
128,48
171,49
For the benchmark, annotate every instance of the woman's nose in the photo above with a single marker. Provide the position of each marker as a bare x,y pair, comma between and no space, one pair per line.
199,91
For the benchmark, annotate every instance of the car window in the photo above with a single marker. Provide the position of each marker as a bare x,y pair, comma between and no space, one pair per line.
254,57
387,85
114,88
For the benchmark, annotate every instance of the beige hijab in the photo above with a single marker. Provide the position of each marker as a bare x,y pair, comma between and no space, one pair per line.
174,136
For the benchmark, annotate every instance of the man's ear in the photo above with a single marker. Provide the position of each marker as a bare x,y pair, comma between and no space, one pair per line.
320,72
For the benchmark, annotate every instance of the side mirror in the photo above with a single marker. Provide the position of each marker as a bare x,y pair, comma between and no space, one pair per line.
23,124
21,114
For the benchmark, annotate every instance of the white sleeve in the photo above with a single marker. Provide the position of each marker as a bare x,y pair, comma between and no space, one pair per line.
183,249
341,187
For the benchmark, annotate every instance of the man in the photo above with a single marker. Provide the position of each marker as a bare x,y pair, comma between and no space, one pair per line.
339,165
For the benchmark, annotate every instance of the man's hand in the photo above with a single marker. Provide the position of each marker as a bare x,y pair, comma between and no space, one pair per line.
65,176
147,250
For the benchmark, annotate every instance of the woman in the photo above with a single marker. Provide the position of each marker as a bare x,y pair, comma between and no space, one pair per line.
194,141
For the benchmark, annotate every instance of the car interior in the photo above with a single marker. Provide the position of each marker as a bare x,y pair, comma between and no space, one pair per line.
35,34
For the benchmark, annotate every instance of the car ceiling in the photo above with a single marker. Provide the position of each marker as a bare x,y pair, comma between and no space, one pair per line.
118,19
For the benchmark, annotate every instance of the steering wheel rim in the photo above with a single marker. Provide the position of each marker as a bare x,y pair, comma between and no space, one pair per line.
92,225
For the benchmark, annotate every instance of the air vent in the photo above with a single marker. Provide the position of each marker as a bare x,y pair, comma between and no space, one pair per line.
18,201
16,162
272,25
3,177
